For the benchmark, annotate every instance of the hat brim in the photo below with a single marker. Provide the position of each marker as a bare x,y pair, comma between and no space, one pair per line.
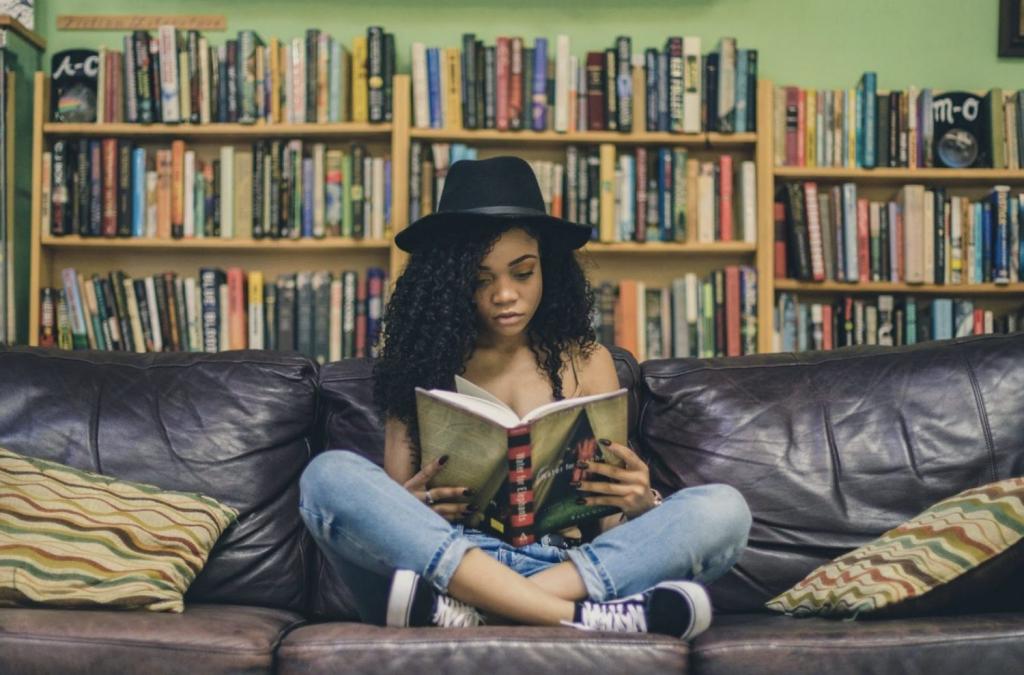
555,230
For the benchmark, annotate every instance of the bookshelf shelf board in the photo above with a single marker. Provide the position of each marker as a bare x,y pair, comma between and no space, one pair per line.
219,130
903,288
582,137
704,248
213,243
900,175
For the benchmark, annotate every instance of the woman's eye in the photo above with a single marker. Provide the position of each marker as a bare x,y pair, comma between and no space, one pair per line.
522,276
481,281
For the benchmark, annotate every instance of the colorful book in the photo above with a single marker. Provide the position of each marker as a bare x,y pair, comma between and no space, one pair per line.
520,468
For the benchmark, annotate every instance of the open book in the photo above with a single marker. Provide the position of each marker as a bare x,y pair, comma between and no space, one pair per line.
519,468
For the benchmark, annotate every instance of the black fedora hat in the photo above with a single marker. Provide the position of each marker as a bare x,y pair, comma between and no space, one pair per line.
499,189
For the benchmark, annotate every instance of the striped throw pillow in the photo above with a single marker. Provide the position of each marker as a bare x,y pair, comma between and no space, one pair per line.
70,538
957,549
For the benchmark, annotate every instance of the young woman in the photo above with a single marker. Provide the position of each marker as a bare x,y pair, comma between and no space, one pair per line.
493,292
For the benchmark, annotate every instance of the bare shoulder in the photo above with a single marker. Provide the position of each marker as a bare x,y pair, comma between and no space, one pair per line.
597,373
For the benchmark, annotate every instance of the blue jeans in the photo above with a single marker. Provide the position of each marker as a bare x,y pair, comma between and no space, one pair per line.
367,526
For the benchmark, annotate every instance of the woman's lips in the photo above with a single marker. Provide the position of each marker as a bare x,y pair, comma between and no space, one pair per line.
506,319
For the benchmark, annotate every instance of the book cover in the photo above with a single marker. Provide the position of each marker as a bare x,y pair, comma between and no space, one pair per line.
73,85
483,437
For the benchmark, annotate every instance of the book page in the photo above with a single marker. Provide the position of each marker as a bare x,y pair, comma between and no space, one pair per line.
549,437
482,407
464,386
555,406
476,447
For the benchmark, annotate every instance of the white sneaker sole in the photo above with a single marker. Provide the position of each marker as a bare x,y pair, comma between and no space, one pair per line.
700,606
403,588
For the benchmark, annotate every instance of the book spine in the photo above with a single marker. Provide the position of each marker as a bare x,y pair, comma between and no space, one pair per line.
539,103
375,73
611,101
209,292
59,214
169,106
519,528
94,188
624,82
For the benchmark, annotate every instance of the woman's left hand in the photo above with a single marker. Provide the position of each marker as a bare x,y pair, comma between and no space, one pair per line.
628,488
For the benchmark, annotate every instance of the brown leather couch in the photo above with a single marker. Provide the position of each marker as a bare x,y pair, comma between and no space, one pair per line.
830,450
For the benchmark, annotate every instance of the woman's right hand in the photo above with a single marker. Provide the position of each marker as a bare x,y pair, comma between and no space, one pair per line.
451,503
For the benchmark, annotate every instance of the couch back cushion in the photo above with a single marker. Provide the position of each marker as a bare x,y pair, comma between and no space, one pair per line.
832,449
234,426
350,422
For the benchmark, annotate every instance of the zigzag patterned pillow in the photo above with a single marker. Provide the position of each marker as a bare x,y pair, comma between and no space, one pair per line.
962,546
71,538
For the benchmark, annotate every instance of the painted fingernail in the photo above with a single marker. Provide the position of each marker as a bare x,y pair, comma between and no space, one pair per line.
574,484
444,458
467,493
581,501
604,441
582,465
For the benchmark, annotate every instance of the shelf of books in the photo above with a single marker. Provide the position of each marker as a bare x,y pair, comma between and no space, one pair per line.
666,154
218,197
632,144
897,215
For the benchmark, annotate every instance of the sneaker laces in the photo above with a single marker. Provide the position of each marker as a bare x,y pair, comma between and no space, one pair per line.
623,617
452,613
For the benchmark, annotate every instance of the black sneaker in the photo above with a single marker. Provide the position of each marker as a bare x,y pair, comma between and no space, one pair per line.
681,609
414,602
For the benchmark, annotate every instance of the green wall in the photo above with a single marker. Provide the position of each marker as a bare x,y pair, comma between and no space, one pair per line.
816,43
946,44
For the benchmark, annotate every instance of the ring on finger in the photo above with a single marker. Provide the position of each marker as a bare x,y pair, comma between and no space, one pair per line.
428,498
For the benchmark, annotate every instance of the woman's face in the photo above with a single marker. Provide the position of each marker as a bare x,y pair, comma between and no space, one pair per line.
509,285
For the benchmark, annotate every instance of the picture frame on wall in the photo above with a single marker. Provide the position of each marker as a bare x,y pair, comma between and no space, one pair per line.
22,10
1011,28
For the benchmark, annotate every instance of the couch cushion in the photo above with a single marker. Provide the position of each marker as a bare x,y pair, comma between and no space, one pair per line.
72,538
359,648
235,426
833,449
349,421
962,547
771,644
204,639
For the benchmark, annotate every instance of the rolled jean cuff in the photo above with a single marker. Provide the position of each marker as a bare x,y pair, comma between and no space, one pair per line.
598,583
446,560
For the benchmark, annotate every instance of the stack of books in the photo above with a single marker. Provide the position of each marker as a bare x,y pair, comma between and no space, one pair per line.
323,315
275,189
511,86
692,317
177,76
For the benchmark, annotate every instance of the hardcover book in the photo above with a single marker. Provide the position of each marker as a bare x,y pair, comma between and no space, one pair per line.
520,468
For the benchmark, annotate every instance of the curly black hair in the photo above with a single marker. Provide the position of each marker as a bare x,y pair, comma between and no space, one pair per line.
430,323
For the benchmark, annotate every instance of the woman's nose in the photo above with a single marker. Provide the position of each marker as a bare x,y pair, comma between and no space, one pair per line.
503,293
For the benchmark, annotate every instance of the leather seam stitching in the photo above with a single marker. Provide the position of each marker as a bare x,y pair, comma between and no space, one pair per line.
979,403
130,643
876,352
487,642
859,645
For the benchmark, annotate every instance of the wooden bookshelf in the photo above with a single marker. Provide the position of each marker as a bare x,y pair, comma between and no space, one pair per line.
221,131
283,246
703,140
881,179
37,40
139,256
900,175
838,287
725,248
655,261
